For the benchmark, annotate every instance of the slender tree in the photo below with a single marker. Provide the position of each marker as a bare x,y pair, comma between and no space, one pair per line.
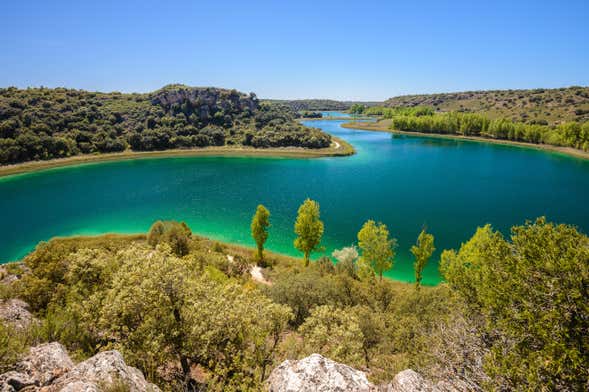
309,228
259,226
422,251
378,250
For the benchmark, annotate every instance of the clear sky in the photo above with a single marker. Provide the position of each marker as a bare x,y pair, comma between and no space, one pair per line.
361,50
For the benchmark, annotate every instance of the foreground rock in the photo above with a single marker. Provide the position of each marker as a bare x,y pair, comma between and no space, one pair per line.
317,373
408,381
42,366
48,368
105,368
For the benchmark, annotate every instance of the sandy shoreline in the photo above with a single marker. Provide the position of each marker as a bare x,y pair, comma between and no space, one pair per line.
339,148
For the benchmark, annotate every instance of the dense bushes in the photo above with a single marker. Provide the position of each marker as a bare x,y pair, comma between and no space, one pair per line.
531,293
176,235
391,112
570,134
512,316
41,123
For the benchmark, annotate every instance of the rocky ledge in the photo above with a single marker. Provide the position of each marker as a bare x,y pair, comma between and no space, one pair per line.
319,374
48,368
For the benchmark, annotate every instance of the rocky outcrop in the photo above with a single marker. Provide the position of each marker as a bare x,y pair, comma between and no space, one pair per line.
206,100
48,368
15,313
41,367
408,381
317,373
107,367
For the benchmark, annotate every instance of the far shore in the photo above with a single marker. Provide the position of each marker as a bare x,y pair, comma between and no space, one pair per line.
339,147
573,152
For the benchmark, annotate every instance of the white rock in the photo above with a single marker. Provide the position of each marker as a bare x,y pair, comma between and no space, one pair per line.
410,381
317,373
106,367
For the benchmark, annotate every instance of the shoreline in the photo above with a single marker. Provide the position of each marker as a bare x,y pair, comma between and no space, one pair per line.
232,248
339,148
568,151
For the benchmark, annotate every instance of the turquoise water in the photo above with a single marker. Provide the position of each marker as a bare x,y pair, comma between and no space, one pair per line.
406,182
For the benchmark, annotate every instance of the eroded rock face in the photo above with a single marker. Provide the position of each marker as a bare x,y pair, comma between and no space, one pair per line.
45,363
409,381
48,368
317,373
40,367
107,367
207,99
16,313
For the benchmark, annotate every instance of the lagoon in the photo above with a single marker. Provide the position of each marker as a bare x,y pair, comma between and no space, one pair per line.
407,182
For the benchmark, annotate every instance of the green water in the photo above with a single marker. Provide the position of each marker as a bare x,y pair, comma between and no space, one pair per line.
406,182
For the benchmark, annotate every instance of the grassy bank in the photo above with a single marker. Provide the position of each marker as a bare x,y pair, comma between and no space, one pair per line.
338,148
384,126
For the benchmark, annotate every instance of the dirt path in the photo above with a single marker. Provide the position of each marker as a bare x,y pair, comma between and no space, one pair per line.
257,275
255,272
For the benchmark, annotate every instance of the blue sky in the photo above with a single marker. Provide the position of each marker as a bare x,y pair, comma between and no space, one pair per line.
363,50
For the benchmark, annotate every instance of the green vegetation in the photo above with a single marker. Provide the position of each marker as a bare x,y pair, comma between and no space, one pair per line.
537,106
386,112
530,296
314,105
259,227
43,124
176,235
422,251
569,134
513,314
308,228
378,250
310,114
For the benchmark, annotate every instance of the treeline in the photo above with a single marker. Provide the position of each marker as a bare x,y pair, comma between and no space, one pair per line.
317,105
535,106
41,123
571,134
386,112
511,315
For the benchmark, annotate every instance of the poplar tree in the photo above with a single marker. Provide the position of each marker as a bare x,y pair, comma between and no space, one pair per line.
309,228
422,251
259,227
378,250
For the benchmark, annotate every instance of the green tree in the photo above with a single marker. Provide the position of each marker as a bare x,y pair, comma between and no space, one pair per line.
335,333
160,309
259,227
309,228
378,250
531,293
175,234
422,251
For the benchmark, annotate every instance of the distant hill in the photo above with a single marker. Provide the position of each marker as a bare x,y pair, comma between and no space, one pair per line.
318,104
538,106
43,123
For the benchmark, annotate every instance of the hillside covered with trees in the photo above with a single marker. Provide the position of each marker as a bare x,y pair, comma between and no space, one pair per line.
552,117
301,105
537,106
43,123
192,314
